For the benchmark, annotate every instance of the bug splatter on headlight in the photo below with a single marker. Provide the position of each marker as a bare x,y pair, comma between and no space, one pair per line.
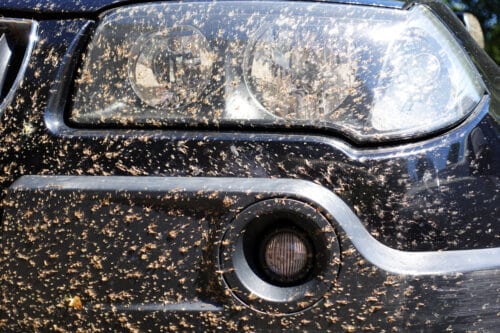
170,68
370,73
299,71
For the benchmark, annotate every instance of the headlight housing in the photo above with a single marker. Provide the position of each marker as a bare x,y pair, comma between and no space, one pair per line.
370,73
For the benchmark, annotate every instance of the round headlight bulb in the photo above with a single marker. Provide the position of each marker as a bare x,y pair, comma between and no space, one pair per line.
299,72
287,256
170,68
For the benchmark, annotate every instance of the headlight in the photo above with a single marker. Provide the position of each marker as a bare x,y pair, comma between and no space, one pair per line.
170,68
371,73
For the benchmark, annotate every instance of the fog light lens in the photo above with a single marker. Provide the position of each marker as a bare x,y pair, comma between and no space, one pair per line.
287,256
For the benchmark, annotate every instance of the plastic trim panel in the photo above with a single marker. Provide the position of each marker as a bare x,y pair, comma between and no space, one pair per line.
382,256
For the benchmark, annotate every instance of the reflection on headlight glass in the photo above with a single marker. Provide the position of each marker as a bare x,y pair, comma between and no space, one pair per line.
370,73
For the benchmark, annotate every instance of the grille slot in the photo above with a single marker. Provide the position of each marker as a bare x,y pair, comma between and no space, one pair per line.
16,42
5,55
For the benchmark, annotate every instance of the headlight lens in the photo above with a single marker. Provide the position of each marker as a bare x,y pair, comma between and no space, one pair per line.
299,72
170,68
371,73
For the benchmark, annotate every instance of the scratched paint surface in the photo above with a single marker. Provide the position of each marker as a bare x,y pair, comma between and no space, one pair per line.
67,265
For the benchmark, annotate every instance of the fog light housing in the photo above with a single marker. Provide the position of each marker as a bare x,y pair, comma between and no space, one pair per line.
279,256
287,256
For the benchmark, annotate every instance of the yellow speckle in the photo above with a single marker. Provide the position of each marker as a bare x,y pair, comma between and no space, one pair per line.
76,303
28,129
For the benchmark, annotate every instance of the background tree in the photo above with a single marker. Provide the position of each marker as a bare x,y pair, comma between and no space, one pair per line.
488,13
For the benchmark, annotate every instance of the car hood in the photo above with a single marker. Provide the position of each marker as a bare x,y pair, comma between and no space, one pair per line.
89,7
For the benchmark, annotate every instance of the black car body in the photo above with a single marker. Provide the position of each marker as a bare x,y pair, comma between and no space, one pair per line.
158,226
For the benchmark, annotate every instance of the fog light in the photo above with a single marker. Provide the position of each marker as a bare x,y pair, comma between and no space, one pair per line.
287,256
279,256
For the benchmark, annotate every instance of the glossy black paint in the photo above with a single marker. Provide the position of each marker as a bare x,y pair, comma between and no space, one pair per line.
399,191
440,193
146,258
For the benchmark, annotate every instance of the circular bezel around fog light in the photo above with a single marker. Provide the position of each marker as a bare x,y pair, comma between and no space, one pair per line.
292,281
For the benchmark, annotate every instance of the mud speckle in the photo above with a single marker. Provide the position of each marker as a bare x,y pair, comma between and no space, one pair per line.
101,260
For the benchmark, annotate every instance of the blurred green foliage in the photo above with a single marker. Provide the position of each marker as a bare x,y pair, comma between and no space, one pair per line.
488,13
